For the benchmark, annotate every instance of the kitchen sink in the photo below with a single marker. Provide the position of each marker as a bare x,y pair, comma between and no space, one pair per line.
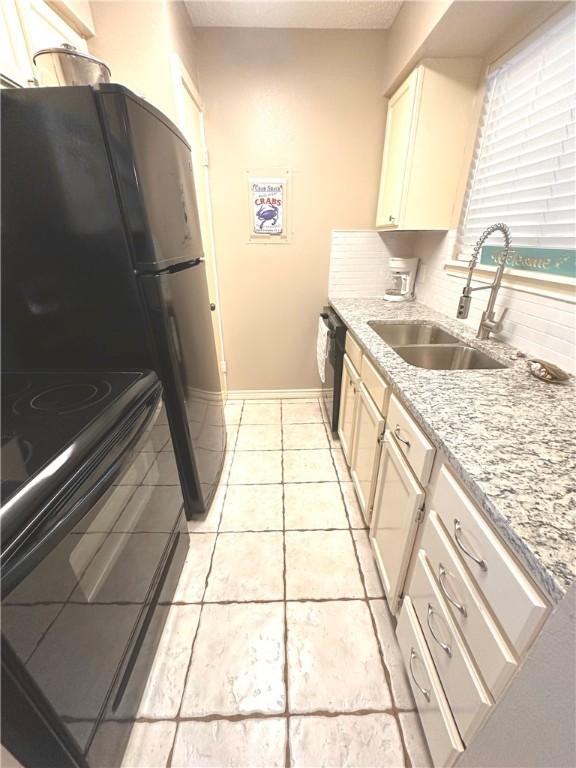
402,334
447,357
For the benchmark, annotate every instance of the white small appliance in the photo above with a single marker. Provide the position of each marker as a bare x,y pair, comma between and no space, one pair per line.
402,279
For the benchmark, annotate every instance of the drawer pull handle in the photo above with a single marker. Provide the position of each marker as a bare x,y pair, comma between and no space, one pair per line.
401,439
444,646
424,691
442,573
458,536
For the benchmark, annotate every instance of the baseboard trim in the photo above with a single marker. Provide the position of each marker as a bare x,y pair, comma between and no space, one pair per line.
273,394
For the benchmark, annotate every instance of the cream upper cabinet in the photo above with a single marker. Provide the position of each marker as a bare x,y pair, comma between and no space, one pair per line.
429,134
399,122
350,379
397,504
44,28
26,26
15,64
368,434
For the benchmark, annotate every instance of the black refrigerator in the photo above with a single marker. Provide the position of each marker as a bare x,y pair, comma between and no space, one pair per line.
102,261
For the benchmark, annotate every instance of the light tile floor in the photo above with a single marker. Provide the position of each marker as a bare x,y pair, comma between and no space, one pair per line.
279,649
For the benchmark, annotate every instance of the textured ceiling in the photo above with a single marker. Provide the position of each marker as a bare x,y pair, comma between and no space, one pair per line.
295,14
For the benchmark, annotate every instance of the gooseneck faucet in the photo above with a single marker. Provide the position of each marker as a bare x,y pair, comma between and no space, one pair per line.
488,323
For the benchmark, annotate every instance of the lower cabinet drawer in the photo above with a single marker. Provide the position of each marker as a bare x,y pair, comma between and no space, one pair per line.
410,439
467,695
494,657
510,593
375,384
439,727
353,350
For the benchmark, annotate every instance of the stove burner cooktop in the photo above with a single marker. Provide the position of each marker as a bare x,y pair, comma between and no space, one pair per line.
43,412
64,398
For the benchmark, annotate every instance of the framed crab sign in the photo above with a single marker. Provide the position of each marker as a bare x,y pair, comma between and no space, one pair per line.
267,207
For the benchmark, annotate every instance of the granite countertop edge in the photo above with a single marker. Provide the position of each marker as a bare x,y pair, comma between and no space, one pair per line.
355,313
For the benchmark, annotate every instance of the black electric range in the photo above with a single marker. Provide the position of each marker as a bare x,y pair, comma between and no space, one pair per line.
50,421
87,549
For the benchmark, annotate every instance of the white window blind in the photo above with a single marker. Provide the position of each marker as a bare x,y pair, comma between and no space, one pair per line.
524,168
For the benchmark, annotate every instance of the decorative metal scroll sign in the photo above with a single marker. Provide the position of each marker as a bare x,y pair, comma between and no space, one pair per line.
550,261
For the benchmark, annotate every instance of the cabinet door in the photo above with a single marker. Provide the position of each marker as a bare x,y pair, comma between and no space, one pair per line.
15,65
397,504
44,28
368,429
399,123
350,379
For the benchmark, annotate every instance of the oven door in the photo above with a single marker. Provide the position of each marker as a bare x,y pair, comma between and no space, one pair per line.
75,621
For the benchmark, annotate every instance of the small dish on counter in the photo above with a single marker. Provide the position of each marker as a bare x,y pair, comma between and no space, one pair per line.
548,372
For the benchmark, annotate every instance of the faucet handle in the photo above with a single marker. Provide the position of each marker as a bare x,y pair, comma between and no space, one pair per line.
490,323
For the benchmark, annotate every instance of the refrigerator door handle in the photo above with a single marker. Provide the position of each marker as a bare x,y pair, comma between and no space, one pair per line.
180,267
176,338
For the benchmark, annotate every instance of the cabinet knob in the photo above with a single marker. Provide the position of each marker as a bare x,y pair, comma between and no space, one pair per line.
391,218
212,306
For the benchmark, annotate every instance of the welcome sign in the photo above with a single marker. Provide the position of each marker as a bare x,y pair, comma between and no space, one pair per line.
267,200
550,261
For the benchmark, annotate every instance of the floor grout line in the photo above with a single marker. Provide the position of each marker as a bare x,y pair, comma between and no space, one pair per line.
213,602
217,716
287,756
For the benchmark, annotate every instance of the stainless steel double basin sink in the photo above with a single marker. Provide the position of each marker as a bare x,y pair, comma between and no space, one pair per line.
431,347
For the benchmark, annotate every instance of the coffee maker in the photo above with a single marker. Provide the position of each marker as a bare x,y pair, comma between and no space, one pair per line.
402,279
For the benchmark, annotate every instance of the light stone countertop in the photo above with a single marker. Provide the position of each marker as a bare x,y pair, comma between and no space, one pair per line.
509,437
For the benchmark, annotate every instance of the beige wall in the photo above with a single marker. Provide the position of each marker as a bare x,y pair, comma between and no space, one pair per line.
136,38
456,29
415,22
132,38
536,14
183,37
309,102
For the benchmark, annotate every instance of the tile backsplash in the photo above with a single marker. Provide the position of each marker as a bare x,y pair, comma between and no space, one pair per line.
359,261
